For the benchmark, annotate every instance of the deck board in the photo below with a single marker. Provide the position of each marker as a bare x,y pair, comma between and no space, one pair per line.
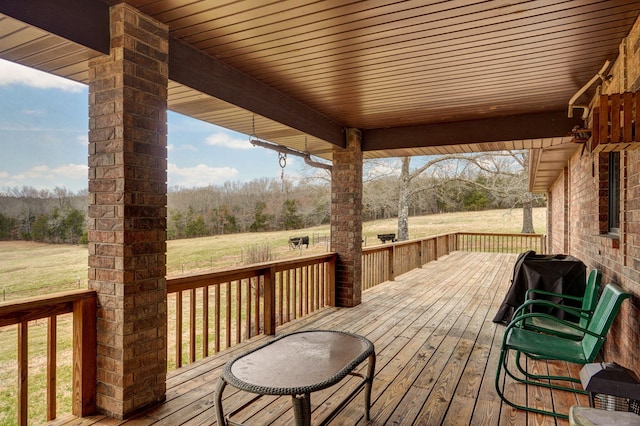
437,351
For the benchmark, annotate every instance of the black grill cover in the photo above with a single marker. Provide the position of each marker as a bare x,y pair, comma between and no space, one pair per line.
557,273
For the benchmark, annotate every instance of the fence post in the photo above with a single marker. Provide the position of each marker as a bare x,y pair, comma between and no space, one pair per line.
331,280
84,357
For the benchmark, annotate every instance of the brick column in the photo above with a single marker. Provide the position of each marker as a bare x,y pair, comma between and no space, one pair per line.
346,219
127,212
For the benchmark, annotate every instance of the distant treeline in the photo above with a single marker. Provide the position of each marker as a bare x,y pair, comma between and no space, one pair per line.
53,216
59,215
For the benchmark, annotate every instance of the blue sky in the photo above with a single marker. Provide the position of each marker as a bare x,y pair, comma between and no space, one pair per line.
43,139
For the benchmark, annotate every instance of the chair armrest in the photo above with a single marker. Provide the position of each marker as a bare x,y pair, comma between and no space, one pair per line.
552,294
545,303
521,319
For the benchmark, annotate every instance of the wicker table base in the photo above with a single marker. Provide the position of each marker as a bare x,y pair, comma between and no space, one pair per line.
297,364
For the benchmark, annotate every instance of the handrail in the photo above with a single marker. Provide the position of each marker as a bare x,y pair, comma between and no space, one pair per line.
82,304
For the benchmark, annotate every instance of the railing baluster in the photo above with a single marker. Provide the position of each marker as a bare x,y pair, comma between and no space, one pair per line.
216,318
205,321
256,311
192,325
270,301
179,329
238,311
287,283
227,319
23,372
52,325
297,294
280,298
248,304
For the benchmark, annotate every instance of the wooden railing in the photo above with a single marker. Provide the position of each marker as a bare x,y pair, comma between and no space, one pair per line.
500,243
384,262
217,310
81,304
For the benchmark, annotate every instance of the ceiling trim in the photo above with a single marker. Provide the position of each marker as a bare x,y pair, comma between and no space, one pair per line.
516,127
85,22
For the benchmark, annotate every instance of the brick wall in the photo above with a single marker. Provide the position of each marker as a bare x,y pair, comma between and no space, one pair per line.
618,259
127,212
557,231
346,219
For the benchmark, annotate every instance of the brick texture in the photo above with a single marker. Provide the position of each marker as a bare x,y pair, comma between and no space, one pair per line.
346,219
127,212
618,259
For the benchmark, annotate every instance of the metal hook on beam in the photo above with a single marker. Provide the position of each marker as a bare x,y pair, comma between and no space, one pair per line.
284,150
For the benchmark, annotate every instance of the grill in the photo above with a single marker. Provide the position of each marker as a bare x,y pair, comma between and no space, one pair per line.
611,387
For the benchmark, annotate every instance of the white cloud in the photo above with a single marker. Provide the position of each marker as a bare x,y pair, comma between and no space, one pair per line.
200,175
181,147
68,171
226,141
71,176
12,73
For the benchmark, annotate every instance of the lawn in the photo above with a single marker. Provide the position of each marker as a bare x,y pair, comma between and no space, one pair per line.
29,268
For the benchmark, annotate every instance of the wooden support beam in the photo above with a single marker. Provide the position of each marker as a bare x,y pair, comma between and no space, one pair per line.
515,127
191,67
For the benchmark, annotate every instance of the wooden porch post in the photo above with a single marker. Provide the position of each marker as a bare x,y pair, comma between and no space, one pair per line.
346,219
127,212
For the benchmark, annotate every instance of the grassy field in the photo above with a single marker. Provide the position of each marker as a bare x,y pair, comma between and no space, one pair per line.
28,269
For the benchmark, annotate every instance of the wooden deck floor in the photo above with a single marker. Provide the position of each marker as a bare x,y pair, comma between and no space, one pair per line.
437,350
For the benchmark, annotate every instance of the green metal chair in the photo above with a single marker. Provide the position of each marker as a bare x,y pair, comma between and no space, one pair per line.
545,346
543,324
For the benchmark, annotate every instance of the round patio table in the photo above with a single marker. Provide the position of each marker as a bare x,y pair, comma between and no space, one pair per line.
297,364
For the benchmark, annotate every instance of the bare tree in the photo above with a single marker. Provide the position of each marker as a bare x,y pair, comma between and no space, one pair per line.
502,175
406,190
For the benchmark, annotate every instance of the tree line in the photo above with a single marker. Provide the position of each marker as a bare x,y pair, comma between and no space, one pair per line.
270,204
52,216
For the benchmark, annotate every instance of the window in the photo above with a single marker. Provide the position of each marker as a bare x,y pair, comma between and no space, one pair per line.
613,214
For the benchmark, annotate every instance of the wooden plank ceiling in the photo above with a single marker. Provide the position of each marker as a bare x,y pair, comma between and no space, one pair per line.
411,74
